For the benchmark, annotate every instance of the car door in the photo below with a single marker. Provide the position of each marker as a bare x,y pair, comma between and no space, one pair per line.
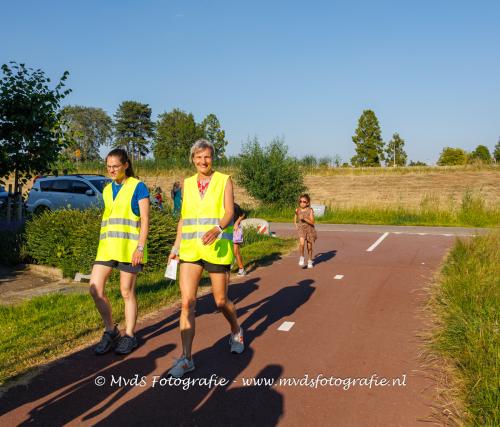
62,194
83,196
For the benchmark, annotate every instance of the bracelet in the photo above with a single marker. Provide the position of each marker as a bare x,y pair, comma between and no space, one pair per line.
174,251
140,248
220,228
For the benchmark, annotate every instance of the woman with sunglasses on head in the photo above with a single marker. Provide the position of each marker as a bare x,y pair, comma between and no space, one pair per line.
204,242
304,223
122,245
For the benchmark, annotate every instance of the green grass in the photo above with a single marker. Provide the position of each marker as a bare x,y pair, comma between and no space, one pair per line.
472,212
47,327
467,304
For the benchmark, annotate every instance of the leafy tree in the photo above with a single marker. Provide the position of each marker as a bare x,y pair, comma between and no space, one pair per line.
496,153
417,163
87,128
213,133
395,153
452,156
31,136
481,153
269,174
176,133
134,128
325,162
309,161
368,141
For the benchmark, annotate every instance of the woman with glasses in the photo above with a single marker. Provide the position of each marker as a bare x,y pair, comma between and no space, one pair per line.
304,223
122,245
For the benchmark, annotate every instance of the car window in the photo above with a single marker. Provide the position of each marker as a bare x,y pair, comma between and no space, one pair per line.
61,186
100,183
80,187
46,185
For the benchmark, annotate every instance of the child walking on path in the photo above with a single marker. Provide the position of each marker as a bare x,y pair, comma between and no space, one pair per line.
304,222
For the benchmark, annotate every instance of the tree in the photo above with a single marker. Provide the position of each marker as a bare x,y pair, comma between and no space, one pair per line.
496,153
417,163
269,174
213,133
31,136
368,141
176,133
452,156
395,153
134,128
87,129
481,153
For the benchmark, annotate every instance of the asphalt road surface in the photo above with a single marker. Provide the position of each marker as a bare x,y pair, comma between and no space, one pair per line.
336,345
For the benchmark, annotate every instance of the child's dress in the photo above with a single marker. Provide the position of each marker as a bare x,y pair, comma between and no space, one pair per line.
306,230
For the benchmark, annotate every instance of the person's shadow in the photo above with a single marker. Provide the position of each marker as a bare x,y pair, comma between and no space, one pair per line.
324,256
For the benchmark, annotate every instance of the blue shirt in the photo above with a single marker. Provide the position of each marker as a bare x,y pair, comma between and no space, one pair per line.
140,192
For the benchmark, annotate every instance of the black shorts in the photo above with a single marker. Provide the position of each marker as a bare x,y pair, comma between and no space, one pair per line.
122,266
208,266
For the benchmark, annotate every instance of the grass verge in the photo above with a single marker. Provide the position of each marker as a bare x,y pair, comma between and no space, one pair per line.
466,302
47,327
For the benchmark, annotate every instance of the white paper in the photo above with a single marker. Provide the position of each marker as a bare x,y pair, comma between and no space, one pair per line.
171,271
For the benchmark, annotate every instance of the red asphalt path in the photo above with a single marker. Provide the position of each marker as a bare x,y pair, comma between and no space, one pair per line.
364,325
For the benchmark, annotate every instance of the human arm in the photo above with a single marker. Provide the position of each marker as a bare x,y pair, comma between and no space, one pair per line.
174,253
138,254
310,219
211,236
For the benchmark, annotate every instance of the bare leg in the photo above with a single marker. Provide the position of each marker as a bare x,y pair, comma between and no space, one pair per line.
301,246
310,250
190,275
237,254
219,290
127,289
98,278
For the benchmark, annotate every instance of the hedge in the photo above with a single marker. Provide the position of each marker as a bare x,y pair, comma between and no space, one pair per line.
68,239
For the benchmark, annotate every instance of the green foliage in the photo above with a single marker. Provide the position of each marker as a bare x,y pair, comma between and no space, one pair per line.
87,129
30,133
68,239
467,303
496,152
213,133
452,156
417,163
481,153
368,141
309,161
269,174
133,128
176,133
395,153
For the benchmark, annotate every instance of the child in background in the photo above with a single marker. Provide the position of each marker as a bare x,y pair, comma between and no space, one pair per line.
159,198
239,215
304,223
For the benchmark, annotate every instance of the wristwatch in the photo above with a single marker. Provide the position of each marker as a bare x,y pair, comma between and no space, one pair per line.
140,248
174,251
220,228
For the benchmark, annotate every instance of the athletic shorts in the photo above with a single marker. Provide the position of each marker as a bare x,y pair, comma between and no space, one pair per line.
208,266
122,266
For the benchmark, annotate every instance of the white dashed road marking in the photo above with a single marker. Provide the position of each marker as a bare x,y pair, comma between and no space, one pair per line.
379,240
338,276
286,326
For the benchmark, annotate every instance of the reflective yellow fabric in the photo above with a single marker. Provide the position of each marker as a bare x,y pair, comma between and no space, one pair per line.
120,226
200,215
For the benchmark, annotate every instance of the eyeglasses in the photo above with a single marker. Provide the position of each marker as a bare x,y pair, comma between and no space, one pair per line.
302,201
113,167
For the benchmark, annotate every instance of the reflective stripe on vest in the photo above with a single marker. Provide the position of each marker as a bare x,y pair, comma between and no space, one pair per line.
120,226
201,215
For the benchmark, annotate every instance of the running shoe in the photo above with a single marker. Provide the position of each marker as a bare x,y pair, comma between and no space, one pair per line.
108,341
236,342
126,345
241,272
310,264
181,366
301,261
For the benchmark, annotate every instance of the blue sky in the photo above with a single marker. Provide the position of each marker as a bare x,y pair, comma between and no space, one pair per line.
300,70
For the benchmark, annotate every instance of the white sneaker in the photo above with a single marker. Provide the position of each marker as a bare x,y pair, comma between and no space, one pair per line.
236,342
310,264
241,272
301,261
181,366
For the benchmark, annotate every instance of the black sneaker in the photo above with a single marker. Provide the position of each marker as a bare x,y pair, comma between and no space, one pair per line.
126,345
108,341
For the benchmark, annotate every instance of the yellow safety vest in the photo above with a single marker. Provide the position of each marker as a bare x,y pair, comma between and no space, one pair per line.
120,226
200,215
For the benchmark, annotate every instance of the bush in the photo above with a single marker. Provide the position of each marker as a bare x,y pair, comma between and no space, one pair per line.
68,239
11,247
269,174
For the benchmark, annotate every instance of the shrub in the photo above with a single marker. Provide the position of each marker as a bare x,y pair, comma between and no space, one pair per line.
269,174
11,247
68,239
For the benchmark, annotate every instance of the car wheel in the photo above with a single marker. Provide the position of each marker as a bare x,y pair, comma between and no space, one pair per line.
41,209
